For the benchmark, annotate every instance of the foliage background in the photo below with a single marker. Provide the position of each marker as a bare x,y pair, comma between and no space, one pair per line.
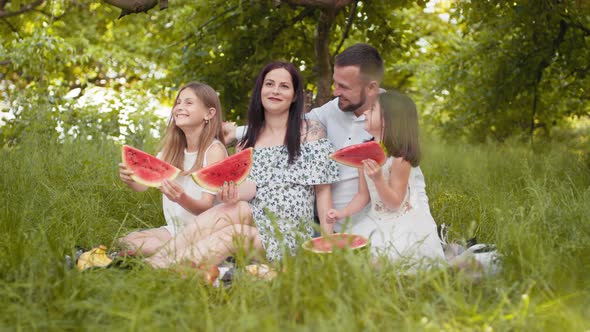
479,70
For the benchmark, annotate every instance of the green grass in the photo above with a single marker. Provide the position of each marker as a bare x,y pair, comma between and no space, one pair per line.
533,206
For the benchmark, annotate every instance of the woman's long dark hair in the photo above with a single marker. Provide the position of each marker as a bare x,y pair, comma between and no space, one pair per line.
256,111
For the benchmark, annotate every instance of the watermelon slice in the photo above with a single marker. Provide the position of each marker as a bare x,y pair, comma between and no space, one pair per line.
233,168
338,241
147,169
353,155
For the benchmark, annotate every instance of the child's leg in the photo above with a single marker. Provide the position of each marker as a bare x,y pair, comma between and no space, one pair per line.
145,242
213,250
214,219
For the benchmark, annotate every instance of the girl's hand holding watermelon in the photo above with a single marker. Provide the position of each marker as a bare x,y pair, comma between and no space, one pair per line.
373,170
172,190
125,175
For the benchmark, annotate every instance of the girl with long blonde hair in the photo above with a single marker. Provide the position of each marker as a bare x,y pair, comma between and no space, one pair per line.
192,140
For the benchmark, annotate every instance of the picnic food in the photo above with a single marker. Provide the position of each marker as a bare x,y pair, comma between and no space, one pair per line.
147,169
209,273
261,271
353,155
326,244
233,168
95,257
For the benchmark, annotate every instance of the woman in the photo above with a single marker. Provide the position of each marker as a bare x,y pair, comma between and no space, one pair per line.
291,169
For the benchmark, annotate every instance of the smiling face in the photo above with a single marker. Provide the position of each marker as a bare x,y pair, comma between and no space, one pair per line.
190,111
277,91
374,121
350,88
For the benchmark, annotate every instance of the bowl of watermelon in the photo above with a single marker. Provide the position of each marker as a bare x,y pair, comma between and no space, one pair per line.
335,242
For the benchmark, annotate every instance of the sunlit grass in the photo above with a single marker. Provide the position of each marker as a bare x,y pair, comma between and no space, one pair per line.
533,206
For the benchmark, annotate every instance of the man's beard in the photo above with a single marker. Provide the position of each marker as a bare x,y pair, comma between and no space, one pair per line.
353,107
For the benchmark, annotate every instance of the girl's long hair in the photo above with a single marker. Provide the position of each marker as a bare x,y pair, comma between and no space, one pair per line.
400,132
174,142
256,111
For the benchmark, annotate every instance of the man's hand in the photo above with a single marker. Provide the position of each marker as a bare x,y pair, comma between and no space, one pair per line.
229,131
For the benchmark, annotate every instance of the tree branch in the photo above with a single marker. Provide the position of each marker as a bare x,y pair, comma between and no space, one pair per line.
12,27
571,22
581,27
133,6
202,26
335,4
22,9
348,25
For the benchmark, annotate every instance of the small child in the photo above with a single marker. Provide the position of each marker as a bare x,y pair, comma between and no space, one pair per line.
396,224
192,140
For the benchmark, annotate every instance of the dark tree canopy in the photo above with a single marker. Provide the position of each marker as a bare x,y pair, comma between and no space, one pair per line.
477,69
517,68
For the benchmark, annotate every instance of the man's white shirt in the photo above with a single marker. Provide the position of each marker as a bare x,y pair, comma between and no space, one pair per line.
344,129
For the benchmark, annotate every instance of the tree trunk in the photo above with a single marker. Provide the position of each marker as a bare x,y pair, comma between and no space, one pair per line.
328,11
322,53
563,27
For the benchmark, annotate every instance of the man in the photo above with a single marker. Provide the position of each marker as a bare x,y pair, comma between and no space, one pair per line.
358,72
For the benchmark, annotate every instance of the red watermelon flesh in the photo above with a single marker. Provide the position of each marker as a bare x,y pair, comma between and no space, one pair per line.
353,155
234,168
147,169
325,244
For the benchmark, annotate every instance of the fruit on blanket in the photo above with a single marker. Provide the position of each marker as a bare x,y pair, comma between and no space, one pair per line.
326,244
233,168
261,271
353,155
209,273
147,169
95,257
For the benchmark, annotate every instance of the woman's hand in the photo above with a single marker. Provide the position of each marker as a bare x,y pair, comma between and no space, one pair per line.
333,216
172,190
125,174
373,170
228,193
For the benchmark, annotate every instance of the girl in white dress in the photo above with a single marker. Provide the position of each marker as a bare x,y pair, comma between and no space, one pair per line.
396,224
192,140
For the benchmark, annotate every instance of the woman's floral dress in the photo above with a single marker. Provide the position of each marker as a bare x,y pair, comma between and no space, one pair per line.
283,208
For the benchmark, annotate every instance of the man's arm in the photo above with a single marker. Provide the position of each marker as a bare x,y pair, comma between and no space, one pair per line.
322,113
232,132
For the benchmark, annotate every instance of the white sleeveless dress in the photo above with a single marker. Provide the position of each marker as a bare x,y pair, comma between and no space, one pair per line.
408,233
176,216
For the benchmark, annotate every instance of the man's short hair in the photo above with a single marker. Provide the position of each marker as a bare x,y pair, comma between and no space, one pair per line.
366,57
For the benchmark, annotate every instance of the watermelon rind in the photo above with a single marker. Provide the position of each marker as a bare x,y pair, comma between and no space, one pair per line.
172,174
204,176
368,150
308,245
